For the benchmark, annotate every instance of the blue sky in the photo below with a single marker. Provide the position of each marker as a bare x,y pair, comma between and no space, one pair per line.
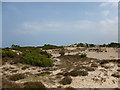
63,23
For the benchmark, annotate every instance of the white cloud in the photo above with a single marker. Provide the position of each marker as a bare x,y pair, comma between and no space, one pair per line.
107,27
35,27
109,4
84,25
104,4
105,13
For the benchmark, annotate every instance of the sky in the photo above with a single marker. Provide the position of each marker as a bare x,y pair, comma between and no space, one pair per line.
59,23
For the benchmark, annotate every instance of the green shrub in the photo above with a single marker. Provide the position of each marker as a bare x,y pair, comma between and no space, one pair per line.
66,80
83,55
94,65
48,46
24,67
62,53
44,73
8,53
80,45
33,50
75,73
16,77
90,69
37,60
13,45
48,55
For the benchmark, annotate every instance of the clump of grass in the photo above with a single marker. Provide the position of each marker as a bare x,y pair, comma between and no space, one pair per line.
76,73
118,70
83,55
14,71
94,65
16,77
66,80
35,85
24,67
44,73
118,65
104,61
62,53
89,69
116,75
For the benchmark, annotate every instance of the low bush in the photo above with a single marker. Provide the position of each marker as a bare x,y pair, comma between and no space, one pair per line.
90,69
118,65
83,55
118,70
62,53
24,67
116,75
83,73
37,60
75,73
66,80
94,65
14,71
44,73
48,46
8,53
48,55
35,85
103,61
16,77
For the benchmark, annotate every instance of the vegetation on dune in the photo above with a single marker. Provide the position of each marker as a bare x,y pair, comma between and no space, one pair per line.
85,45
33,50
83,55
37,60
13,46
16,77
112,44
30,55
48,46
9,84
24,67
8,53
62,53
35,85
66,80
80,45
48,55
117,75
75,73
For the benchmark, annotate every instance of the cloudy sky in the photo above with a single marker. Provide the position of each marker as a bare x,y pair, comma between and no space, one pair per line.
60,23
